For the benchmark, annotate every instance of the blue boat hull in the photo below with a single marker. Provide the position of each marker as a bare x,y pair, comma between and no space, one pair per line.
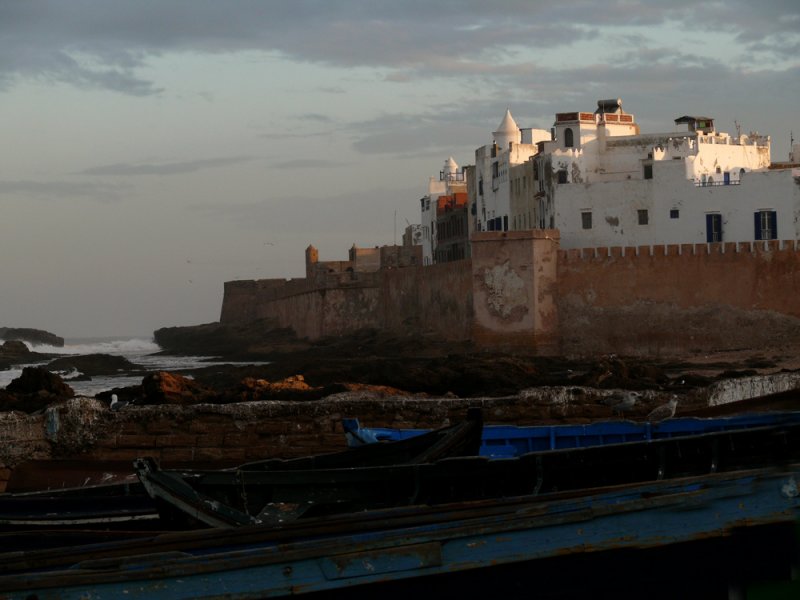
411,543
503,441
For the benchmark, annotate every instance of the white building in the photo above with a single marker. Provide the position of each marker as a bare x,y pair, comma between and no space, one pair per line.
449,182
511,147
601,182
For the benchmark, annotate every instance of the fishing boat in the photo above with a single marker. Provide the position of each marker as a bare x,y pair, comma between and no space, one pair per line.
125,505
233,498
420,544
500,441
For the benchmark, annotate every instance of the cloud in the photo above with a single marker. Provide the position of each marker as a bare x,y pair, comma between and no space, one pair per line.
106,44
166,168
311,163
58,190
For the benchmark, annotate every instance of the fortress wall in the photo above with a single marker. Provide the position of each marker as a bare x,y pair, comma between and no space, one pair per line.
515,287
520,293
661,300
435,299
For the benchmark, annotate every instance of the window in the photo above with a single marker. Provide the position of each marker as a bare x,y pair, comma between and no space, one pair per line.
714,228
569,138
562,176
648,171
480,187
643,216
586,219
674,214
766,225
495,170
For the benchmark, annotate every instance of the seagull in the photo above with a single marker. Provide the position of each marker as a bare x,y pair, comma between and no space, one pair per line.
663,412
628,401
621,401
116,404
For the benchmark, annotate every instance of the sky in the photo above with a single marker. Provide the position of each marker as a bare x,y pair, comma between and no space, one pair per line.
154,149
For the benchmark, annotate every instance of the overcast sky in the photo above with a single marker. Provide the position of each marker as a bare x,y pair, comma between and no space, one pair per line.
153,150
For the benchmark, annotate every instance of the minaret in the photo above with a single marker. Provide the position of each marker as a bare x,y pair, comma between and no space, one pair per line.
507,132
450,169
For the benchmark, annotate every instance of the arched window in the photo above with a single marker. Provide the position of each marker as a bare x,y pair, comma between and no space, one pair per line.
569,140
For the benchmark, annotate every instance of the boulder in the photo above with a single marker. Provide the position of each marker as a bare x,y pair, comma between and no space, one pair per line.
168,388
13,350
35,389
36,380
293,387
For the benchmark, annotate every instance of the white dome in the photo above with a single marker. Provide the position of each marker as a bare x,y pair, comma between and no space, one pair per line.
507,131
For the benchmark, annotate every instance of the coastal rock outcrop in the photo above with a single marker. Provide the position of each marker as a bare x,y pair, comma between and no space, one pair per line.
95,365
35,389
34,336
14,350
169,388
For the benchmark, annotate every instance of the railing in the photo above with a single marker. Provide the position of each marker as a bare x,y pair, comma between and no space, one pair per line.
445,176
699,183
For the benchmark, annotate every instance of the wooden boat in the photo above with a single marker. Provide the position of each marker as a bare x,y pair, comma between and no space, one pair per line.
422,544
127,507
508,440
243,496
102,506
288,489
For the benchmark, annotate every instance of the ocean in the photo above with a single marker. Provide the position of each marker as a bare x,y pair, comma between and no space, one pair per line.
141,351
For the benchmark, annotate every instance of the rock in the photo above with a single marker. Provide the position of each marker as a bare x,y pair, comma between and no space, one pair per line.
34,336
168,388
258,338
95,365
33,390
293,387
35,380
14,350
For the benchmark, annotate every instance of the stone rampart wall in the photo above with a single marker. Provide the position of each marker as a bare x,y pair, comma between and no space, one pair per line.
662,300
519,292
407,301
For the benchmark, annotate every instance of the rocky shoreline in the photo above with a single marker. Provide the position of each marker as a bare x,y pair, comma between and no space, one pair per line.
288,369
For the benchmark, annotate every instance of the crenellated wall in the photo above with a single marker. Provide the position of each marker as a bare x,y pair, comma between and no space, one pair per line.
520,292
671,299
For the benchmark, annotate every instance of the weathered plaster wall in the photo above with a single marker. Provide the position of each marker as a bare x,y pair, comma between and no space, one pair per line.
663,300
614,206
514,290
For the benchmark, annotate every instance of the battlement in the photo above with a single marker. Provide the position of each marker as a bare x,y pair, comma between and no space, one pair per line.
676,250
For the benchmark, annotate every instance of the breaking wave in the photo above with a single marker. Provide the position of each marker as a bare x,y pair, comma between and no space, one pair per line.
124,347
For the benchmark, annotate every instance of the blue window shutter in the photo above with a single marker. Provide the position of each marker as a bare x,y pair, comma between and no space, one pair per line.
709,229
758,225
773,224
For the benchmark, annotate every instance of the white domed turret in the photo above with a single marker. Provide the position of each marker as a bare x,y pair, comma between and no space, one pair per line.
450,167
507,132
